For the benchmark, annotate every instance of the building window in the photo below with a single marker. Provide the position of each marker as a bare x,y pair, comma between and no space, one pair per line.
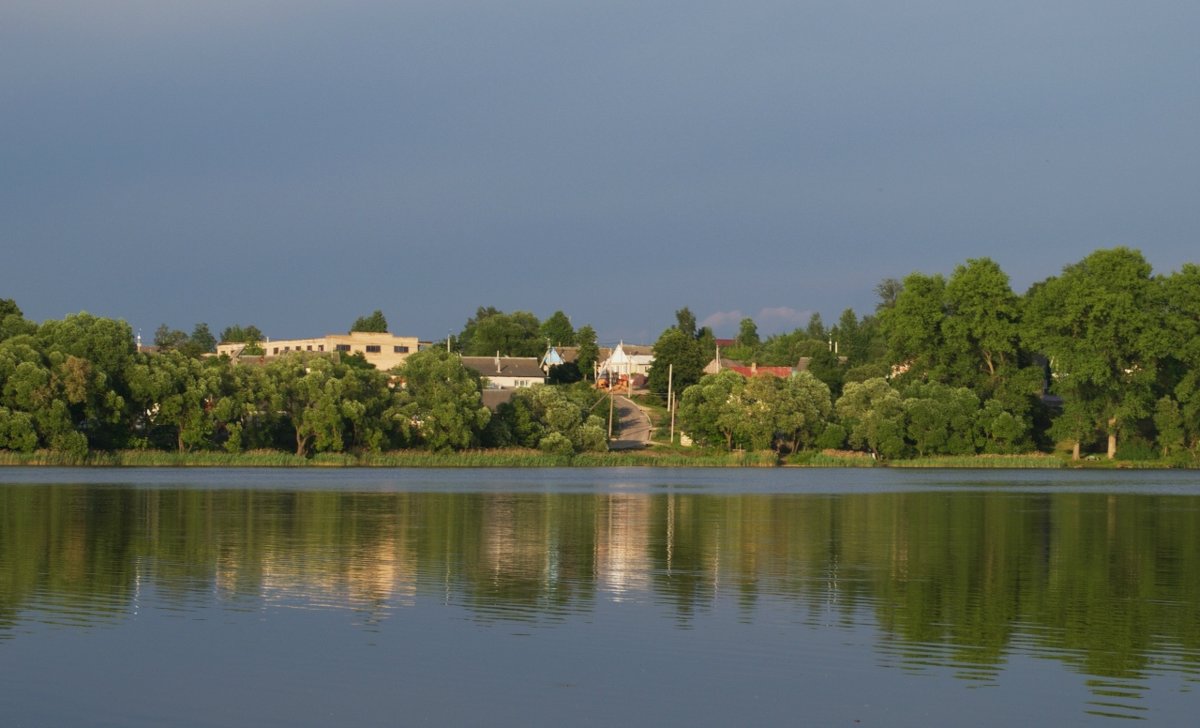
400,349
310,347
320,347
275,350
372,348
343,347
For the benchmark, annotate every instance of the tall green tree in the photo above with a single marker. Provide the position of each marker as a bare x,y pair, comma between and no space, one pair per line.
174,390
448,407
748,334
1182,292
238,334
860,340
166,337
589,352
888,292
805,408
980,329
89,355
248,335
201,340
679,358
1101,325
912,325
376,415
374,323
466,338
309,392
510,334
816,327
557,330
685,321
37,400
712,411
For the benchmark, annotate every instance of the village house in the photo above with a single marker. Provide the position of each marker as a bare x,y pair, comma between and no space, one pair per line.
627,360
383,350
507,372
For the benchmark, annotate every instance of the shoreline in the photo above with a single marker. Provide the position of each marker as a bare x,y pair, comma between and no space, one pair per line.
515,458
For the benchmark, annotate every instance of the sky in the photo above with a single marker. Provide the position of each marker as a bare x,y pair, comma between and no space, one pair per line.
295,164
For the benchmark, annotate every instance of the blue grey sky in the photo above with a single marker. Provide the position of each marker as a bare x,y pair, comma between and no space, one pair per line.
297,163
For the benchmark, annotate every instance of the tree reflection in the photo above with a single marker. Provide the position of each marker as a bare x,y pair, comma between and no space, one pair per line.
1108,584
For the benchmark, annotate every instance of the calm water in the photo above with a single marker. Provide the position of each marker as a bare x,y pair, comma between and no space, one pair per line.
693,597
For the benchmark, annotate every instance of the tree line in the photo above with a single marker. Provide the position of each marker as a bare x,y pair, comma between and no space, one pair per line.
1103,358
81,384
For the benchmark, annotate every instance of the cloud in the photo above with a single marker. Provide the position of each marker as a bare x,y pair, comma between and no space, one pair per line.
781,320
723,322
777,320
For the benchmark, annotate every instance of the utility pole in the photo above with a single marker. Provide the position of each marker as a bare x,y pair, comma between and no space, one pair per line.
670,390
673,405
610,411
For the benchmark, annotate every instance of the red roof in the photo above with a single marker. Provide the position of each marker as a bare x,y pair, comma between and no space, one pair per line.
781,372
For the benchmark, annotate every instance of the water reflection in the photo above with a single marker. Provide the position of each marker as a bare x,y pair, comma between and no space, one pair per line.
1105,584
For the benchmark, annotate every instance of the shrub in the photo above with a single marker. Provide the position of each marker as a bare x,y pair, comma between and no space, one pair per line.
556,443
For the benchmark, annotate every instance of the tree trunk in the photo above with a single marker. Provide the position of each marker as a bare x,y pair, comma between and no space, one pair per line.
1112,438
1075,450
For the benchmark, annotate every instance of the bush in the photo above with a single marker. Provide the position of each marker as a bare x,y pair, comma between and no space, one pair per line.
1136,447
832,438
556,443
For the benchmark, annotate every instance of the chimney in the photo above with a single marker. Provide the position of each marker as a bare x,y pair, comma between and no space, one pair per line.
497,361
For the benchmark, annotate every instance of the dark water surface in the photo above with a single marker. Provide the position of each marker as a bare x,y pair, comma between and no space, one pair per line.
588,597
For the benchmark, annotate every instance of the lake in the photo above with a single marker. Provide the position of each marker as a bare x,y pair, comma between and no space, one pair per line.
191,597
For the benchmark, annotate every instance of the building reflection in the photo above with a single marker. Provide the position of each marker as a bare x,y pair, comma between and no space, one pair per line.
623,536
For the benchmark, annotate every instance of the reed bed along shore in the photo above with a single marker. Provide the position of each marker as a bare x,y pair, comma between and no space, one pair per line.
509,458
1029,461
521,458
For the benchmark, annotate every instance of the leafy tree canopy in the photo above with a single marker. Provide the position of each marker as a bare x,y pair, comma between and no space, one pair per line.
748,333
678,357
557,330
448,408
241,335
374,323
589,351
514,334
685,321
1100,325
